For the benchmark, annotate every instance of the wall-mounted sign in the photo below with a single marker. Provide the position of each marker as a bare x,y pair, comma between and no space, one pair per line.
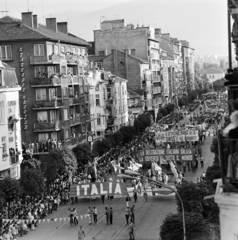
90,138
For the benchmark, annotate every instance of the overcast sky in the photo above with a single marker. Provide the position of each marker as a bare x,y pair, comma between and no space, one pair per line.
202,22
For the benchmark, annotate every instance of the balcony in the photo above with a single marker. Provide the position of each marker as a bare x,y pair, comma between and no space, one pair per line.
13,159
75,101
75,120
47,127
52,59
43,105
110,122
156,79
46,82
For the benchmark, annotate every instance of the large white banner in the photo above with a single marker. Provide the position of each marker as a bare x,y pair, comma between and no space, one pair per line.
177,136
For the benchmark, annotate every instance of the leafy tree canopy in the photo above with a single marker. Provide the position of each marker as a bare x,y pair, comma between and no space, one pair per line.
164,112
30,163
116,138
128,132
82,153
11,189
32,182
100,147
196,227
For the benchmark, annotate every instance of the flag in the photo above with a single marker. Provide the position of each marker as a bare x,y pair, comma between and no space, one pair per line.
173,169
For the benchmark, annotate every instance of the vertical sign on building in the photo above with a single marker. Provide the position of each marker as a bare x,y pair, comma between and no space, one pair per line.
23,89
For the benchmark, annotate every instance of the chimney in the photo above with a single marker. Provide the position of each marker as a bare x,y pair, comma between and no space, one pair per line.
35,23
62,27
27,19
51,24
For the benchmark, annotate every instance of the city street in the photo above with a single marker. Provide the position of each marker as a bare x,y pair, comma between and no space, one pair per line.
148,215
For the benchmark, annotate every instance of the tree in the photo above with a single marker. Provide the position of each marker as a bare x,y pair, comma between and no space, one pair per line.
83,154
196,227
192,195
164,111
181,102
2,199
32,182
218,85
116,138
128,132
170,107
59,161
11,190
145,119
30,163
100,147
213,172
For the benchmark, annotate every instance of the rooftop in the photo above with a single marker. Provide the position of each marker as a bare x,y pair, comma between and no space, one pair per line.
12,29
212,71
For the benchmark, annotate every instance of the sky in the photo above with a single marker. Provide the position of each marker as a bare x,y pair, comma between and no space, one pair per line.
202,22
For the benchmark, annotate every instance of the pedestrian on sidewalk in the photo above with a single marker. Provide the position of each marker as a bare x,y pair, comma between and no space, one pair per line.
103,198
132,214
135,194
128,199
202,163
107,214
81,233
131,231
127,214
184,167
110,215
95,215
90,213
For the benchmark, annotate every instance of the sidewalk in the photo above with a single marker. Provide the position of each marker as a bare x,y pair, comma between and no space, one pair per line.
208,157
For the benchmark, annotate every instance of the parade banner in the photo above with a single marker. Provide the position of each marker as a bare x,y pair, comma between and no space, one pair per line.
176,136
163,155
97,189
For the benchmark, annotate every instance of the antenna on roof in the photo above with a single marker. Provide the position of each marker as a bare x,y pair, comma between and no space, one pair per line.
4,12
28,6
6,6
43,15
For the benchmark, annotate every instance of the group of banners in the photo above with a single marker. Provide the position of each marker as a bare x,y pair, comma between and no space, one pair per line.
176,136
44,220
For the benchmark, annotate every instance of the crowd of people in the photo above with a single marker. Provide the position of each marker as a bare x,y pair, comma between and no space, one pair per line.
23,214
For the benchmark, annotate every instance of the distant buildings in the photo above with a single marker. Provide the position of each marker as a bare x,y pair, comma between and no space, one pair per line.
10,126
213,74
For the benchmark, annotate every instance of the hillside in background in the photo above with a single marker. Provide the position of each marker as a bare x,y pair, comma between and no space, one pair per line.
194,25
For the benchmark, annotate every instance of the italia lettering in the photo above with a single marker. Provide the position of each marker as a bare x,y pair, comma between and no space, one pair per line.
101,189
85,187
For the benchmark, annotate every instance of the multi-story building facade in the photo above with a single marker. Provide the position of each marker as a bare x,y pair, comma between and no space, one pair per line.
10,127
51,65
135,70
142,42
116,102
97,104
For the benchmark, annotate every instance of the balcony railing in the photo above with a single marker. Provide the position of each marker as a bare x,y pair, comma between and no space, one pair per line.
228,152
75,101
75,120
56,81
156,78
53,59
47,104
13,159
47,127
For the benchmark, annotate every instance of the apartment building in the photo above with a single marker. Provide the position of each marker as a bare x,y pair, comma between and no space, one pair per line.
116,102
97,104
142,42
52,66
10,127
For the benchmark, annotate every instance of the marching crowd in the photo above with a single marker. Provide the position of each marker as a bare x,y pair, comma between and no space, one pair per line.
23,214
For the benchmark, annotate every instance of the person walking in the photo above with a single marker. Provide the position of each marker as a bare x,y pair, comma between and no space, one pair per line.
110,215
132,213
103,198
95,215
90,213
127,214
128,199
184,167
107,215
202,164
81,233
131,231
135,194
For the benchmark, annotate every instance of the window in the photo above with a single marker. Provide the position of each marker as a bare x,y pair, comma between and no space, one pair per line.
49,49
65,92
53,116
2,113
73,50
6,53
54,136
39,50
56,49
97,100
63,69
68,49
98,119
79,51
42,117
83,51
52,93
40,72
43,137
133,52
66,133
101,53
66,114
51,70
41,94
62,49
4,145
99,65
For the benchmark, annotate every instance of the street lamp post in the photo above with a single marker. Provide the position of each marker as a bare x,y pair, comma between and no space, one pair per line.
129,172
